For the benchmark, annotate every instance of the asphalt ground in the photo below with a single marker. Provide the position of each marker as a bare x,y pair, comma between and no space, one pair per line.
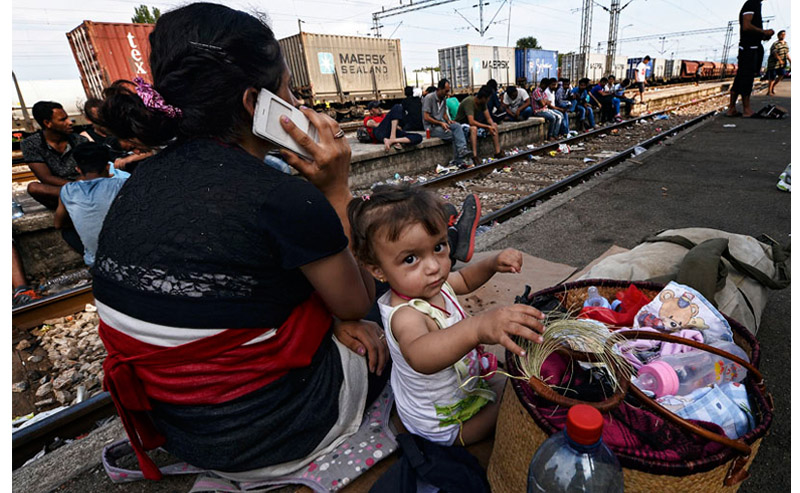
710,176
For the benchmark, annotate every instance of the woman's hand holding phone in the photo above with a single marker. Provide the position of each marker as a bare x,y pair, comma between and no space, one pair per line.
330,169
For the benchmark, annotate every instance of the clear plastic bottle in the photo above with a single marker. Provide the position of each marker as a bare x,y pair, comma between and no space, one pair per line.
16,210
576,459
681,373
593,298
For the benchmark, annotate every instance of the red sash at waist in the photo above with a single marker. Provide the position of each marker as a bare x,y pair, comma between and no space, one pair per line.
211,370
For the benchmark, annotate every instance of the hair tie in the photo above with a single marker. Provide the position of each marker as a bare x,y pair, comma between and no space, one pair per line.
365,197
153,100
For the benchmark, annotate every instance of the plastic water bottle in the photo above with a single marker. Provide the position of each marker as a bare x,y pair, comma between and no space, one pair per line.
594,299
16,210
576,459
681,373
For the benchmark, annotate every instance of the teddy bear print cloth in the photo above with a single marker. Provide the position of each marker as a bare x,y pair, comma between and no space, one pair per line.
677,310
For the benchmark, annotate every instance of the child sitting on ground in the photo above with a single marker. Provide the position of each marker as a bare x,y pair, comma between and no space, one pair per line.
85,202
400,235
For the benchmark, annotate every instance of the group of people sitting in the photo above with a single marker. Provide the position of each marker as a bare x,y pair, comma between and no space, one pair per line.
71,173
444,116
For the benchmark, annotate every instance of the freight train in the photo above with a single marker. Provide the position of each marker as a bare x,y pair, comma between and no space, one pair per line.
340,74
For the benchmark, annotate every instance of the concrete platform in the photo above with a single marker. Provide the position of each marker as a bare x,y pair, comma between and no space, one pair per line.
711,176
371,163
660,98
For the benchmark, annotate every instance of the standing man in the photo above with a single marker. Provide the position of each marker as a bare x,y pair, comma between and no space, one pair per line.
751,53
641,77
778,60
468,111
436,118
48,152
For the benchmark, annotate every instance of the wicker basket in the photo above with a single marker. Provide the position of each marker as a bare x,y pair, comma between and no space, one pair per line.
521,429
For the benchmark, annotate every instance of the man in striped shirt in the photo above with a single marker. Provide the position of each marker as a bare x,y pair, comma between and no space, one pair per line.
778,60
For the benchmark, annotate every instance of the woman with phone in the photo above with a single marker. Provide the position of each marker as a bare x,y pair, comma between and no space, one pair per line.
220,281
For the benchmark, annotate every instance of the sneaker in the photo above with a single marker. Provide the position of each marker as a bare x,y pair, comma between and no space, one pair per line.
451,213
466,225
24,295
785,186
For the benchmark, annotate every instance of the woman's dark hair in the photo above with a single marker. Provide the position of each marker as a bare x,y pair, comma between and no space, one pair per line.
203,57
387,212
91,157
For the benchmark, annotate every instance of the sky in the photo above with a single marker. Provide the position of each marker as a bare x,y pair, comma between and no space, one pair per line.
40,49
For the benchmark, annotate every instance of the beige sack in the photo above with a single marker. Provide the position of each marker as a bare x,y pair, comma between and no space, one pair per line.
742,297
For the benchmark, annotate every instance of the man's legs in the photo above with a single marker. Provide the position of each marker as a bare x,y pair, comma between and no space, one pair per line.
616,103
564,122
526,113
47,195
496,139
459,140
22,294
473,138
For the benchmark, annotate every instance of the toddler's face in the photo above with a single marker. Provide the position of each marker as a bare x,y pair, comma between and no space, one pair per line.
417,264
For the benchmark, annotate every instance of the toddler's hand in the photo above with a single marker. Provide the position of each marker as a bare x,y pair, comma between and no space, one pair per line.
496,326
509,260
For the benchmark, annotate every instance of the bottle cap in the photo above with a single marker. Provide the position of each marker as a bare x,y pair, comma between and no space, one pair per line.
584,424
667,382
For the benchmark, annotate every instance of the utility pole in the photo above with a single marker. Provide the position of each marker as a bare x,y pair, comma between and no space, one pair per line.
586,37
25,115
726,48
613,29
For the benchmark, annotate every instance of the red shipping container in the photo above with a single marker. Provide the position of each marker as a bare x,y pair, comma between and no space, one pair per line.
107,51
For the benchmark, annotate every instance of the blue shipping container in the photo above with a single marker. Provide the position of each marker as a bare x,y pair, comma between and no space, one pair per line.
534,65
633,62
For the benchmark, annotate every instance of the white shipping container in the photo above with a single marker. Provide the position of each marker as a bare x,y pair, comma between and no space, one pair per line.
571,67
328,68
468,67
659,68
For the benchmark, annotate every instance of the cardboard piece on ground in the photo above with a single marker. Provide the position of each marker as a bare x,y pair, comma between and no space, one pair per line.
611,251
502,288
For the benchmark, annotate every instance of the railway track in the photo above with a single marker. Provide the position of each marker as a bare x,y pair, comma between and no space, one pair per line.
510,185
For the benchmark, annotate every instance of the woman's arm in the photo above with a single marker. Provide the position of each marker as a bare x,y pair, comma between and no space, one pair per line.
338,280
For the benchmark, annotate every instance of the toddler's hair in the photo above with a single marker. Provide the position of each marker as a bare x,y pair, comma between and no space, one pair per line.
388,211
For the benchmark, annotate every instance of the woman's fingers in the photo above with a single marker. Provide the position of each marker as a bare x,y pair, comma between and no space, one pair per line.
302,138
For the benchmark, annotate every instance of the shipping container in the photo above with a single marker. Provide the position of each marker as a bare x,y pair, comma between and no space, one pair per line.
468,67
344,69
633,62
534,65
571,67
106,52
672,70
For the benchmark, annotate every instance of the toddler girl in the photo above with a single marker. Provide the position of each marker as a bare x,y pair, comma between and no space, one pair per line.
400,235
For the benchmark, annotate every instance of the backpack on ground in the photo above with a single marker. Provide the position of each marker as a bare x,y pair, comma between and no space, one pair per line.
363,136
732,271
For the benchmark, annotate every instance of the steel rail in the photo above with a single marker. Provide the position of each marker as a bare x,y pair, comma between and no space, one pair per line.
65,303
516,207
66,424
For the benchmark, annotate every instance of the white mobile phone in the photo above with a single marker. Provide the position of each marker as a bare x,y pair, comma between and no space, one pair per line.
267,125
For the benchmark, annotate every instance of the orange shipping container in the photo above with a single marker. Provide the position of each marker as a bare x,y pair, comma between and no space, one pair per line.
106,52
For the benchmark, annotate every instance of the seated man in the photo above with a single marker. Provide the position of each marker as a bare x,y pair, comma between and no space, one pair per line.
412,111
386,128
437,120
566,100
493,105
517,103
550,94
541,109
618,91
85,202
468,110
452,106
48,152
583,106
603,98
